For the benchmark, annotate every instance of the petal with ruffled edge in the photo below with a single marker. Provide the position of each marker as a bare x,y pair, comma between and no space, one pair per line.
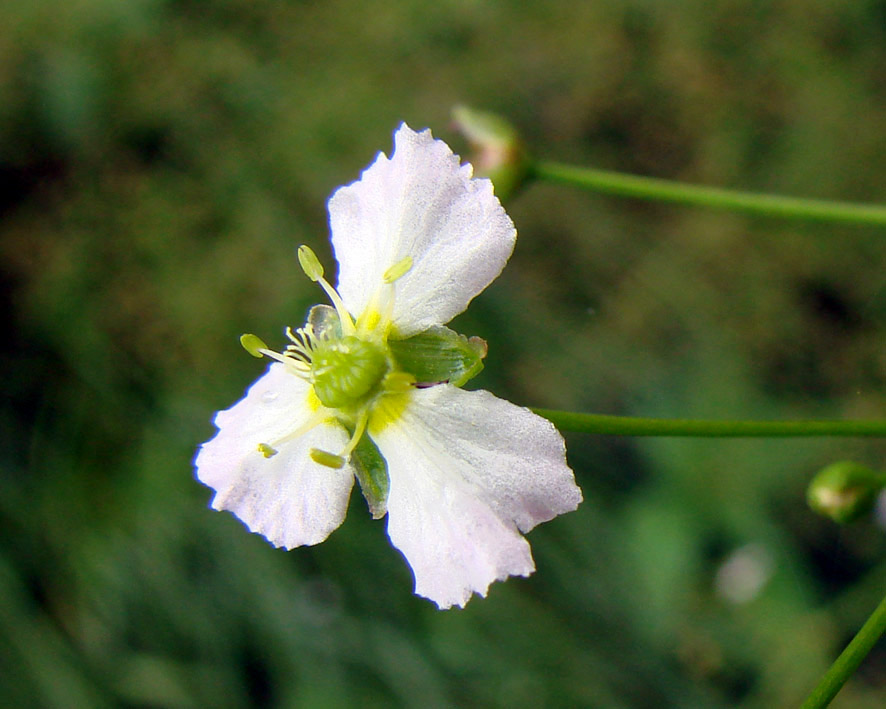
287,498
423,204
468,472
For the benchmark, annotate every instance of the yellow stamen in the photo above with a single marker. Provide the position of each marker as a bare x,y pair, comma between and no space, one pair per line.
330,460
253,344
313,269
347,324
398,383
310,264
359,429
266,450
398,270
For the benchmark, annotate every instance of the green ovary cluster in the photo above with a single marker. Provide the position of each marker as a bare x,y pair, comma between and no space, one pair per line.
346,371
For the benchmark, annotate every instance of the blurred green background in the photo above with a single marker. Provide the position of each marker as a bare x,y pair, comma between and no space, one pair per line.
159,162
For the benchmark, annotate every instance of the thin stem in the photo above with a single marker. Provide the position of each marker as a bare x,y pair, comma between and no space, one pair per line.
633,426
670,191
849,660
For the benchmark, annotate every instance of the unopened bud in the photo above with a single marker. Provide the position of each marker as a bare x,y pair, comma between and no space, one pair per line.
844,491
499,152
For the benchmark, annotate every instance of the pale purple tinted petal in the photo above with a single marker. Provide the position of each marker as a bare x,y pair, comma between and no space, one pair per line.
468,472
423,204
288,498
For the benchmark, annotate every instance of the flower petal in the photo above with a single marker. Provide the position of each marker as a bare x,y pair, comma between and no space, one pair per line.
468,472
288,498
420,203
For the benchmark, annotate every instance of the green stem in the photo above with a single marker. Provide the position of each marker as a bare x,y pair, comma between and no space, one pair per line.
632,426
849,660
670,191
861,644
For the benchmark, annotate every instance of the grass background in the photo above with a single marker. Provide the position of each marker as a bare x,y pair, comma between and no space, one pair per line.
159,162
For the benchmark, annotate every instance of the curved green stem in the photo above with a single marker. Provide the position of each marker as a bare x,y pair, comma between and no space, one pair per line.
849,660
633,426
670,191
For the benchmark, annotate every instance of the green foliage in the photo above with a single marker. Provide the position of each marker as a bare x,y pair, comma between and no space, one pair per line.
160,160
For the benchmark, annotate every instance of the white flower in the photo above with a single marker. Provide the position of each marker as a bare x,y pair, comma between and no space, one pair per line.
416,238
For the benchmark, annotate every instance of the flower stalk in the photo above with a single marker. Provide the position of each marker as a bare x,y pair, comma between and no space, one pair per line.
849,660
705,428
654,188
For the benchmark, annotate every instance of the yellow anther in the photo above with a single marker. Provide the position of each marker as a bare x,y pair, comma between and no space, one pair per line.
310,263
398,270
330,460
253,344
398,382
314,270
266,450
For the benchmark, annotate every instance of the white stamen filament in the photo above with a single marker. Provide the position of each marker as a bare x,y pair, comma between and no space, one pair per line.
304,342
270,449
313,269
347,324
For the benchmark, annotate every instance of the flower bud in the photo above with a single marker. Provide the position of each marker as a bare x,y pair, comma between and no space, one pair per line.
844,491
499,152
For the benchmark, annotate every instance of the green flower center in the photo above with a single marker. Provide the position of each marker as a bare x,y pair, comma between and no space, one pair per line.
345,371
348,363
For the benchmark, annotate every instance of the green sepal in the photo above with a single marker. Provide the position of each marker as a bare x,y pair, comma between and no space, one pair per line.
372,474
439,355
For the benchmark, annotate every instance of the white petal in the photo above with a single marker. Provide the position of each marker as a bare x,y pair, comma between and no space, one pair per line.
468,472
288,498
419,203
